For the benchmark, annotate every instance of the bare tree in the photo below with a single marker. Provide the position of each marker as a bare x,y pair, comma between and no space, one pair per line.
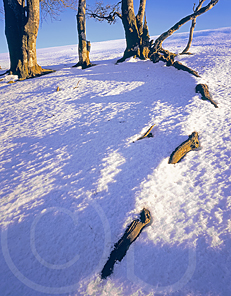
84,45
21,28
137,36
136,29
133,26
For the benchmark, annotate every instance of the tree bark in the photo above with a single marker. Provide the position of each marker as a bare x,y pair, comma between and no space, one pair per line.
21,29
84,45
131,30
135,30
140,16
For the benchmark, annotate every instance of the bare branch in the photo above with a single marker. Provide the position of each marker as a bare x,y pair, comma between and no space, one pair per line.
165,35
53,8
192,27
103,12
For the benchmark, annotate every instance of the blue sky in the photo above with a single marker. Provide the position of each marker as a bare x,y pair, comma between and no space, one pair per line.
161,15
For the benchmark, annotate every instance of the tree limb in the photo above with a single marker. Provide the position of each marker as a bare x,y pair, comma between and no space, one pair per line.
109,18
192,28
53,8
104,12
165,35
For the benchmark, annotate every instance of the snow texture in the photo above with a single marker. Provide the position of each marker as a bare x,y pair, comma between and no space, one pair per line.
73,176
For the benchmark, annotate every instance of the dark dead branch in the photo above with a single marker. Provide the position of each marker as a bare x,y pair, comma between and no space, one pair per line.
204,91
180,66
121,247
103,12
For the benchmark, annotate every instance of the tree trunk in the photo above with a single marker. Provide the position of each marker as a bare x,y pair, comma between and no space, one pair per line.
84,45
140,16
131,30
21,29
133,26
145,44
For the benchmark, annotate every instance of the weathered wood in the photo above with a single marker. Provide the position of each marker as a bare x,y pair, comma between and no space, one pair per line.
191,144
145,42
180,66
121,247
204,91
147,134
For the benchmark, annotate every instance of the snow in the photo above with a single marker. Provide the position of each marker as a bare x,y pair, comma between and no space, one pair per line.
73,175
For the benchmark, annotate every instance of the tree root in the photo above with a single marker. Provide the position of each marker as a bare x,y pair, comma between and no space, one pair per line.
191,144
84,65
169,58
180,66
204,91
121,247
30,74
128,54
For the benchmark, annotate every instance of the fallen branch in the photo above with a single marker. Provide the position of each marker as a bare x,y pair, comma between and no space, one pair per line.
121,247
77,84
204,91
191,144
147,134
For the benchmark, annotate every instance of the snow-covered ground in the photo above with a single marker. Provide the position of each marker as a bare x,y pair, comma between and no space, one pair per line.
73,177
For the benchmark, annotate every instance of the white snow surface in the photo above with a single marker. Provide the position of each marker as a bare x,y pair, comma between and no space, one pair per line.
73,176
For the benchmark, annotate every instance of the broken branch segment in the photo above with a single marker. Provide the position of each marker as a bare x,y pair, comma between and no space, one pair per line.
204,91
121,247
147,134
191,144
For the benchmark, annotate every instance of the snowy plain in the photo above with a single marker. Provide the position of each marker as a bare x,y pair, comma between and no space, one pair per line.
73,176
